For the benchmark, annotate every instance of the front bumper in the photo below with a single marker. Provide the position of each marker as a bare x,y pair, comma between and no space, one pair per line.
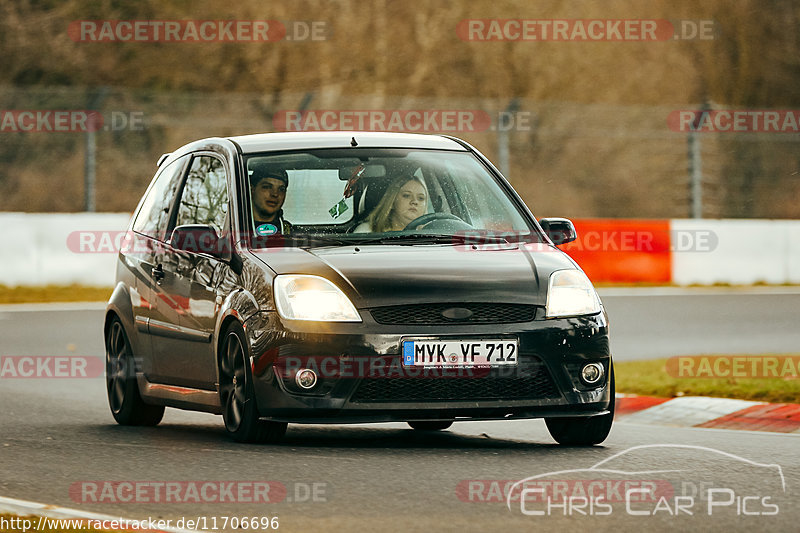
361,377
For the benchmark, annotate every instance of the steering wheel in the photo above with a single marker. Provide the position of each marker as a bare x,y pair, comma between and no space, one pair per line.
424,219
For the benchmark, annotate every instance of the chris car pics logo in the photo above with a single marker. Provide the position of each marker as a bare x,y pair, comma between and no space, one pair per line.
723,490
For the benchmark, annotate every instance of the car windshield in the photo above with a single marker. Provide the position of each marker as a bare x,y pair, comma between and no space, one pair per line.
379,196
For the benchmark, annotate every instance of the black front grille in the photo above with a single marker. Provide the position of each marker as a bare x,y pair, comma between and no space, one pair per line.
531,383
482,313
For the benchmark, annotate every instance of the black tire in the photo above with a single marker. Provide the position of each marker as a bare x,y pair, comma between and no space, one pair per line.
583,431
124,399
239,409
430,425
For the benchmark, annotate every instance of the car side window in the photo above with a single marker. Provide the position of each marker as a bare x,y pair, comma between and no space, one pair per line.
204,199
153,215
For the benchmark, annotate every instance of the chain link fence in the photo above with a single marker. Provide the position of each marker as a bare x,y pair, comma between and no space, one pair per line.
565,159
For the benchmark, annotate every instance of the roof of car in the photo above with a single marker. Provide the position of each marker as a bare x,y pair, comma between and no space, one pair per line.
304,140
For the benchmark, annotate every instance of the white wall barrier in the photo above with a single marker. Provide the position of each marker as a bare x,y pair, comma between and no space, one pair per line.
38,250
738,252
65,248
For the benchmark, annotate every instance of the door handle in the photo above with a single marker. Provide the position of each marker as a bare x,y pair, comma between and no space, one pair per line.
157,273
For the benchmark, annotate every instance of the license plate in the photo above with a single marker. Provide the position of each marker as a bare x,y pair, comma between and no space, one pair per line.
460,353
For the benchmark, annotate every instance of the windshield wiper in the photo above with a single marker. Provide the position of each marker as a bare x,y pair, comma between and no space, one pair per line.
310,241
301,241
433,238
318,240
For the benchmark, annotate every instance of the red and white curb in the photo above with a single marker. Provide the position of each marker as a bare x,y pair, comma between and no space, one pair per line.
26,508
705,412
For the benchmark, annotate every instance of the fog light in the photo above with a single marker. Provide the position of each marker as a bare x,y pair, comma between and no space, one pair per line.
591,373
305,378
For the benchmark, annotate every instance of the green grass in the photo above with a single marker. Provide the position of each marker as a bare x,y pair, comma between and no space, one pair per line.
53,293
717,285
80,293
650,378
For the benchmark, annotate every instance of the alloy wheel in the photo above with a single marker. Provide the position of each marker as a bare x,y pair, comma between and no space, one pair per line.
233,382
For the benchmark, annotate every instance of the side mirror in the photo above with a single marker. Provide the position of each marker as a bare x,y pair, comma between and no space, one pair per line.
198,239
559,230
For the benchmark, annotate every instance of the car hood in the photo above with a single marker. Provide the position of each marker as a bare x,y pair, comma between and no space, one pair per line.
379,275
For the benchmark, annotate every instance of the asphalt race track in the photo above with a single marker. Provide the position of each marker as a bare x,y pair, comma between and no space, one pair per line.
645,324
662,322
60,445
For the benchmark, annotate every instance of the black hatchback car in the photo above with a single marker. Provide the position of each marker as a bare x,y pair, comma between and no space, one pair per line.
351,277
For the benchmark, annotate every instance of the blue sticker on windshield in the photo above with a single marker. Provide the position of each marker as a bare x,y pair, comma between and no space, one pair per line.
265,230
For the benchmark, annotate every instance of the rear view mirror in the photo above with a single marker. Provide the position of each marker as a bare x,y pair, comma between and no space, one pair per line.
559,230
369,171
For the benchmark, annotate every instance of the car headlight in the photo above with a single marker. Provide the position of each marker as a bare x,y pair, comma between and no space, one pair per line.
570,293
306,297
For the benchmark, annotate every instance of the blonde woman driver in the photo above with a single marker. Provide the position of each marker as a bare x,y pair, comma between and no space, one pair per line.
405,200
